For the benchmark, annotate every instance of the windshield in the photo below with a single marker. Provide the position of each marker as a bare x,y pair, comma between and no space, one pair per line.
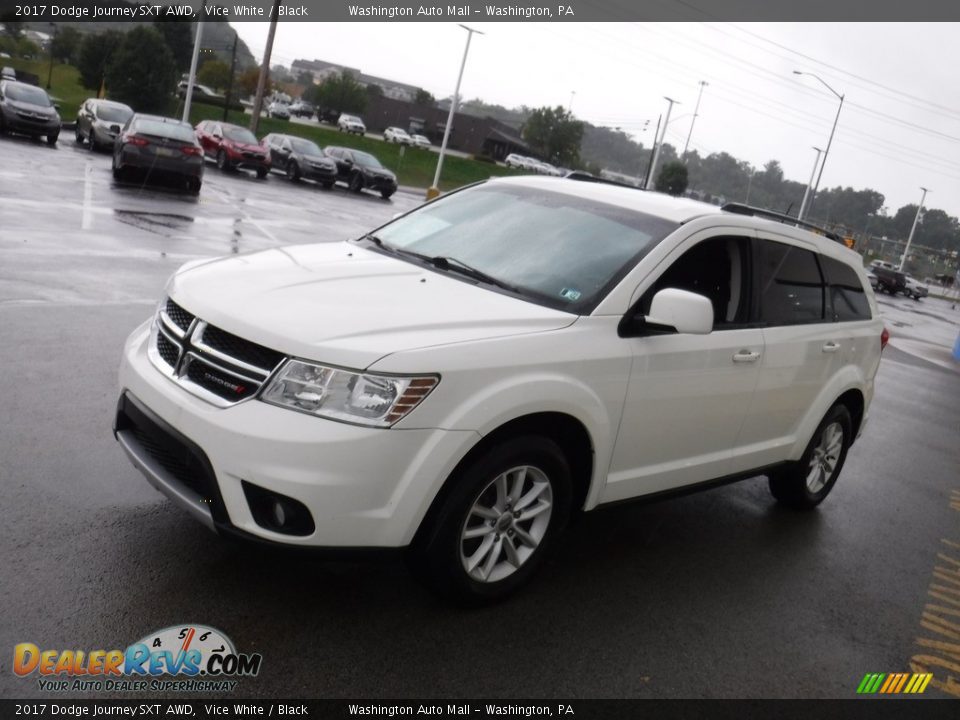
113,113
559,250
305,147
184,133
28,94
240,135
366,159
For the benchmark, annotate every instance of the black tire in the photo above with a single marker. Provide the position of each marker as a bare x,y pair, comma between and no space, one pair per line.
356,182
438,553
52,138
193,185
293,171
790,484
262,173
385,194
222,163
328,185
78,136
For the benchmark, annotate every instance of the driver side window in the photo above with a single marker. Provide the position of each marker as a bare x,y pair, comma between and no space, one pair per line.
718,269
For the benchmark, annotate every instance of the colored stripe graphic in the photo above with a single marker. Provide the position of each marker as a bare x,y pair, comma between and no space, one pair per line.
894,683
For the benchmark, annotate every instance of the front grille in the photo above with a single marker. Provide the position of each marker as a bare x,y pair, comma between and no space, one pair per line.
252,156
209,362
241,349
211,378
174,460
178,315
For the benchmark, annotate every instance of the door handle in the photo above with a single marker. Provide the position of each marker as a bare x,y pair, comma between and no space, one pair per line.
745,356
830,347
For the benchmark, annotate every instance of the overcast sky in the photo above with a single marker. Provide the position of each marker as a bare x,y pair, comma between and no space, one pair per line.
899,128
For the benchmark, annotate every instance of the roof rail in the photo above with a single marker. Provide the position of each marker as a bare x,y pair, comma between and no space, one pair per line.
587,177
741,209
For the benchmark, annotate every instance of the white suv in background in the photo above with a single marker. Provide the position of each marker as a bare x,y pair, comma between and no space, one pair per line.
397,135
351,124
462,380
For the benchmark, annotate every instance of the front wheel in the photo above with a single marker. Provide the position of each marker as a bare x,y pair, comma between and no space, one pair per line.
52,138
262,173
222,163
804,484
385,194
497,523
293,171
356,182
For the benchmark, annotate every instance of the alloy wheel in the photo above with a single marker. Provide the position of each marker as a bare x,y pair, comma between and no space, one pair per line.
823,460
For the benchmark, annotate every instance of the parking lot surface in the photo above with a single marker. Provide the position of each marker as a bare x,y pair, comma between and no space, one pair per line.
719,594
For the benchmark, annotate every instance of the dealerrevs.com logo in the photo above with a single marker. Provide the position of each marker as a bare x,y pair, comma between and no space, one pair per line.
199,658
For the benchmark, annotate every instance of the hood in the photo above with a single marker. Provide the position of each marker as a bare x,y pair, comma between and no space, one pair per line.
380,171
342,304
247,147
30,107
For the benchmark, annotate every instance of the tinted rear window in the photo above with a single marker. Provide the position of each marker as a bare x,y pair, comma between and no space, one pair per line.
791,288
183,133
847,296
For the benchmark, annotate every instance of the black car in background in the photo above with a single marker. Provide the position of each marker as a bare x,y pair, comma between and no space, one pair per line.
99,122
361,170
28,110
160,149
300,158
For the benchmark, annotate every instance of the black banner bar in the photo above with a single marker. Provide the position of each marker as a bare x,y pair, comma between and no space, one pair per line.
481,10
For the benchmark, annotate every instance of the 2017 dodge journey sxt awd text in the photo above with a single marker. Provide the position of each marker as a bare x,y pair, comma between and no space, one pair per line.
461,381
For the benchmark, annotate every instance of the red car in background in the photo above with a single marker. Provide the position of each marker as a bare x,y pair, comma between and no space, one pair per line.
233,147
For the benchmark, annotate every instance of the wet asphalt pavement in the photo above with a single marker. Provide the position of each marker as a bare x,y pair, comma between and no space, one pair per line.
720,594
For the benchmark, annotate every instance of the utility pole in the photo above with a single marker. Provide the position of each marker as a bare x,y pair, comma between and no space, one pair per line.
806,193
570,104
265,68
663,136
434,189
696,111
233,64
188,98
913,229
646,177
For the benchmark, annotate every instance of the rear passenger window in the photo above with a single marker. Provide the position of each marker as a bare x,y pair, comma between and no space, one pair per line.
847,296
791,289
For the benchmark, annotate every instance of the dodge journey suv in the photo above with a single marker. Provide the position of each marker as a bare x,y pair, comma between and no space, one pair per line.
460,381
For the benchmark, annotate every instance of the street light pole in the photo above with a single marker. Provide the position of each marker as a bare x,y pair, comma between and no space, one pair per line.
434,189
696,111
806,193
50,71
570,104
663,135
826,152
916,219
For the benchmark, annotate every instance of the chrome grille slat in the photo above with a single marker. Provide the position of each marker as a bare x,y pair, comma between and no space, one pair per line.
221,368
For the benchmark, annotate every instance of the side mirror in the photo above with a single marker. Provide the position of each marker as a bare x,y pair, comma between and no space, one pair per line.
686,312
56,106
114,128
218,136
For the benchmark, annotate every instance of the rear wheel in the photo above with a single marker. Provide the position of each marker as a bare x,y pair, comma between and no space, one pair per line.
222,163
385,194
293,171
498,522
262,173
193,185
356,182
804,484
78,136
328,185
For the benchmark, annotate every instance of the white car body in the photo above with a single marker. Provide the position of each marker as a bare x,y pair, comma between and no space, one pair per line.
421,141
518,161
351,124
397,135
915,288
279,110
662,412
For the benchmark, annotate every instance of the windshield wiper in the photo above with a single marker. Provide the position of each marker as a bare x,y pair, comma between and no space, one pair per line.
459,266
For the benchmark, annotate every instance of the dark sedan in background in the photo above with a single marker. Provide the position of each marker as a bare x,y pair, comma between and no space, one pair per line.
362,170
99,122
28,110
160,149
300,158
233,147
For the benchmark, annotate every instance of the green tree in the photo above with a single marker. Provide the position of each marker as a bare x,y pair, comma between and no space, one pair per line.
65,45
94,56
672,178
142,71
424,98
27,48
247,82
373,90
215,74
340,93
555,135
178,36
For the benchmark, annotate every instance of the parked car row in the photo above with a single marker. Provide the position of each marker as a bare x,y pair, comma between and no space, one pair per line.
528,163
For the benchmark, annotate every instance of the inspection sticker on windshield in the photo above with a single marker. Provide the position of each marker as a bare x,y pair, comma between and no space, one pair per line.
570,294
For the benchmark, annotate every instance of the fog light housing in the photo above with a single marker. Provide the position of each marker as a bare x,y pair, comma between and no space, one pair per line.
278,513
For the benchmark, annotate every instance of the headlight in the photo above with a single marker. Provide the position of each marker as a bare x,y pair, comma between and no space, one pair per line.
361,398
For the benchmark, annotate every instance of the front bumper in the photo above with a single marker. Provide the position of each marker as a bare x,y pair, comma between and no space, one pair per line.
364,487
379,182
325,174
21,123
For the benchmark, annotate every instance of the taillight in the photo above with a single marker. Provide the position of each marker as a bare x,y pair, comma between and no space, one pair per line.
190,150
884,339
135,140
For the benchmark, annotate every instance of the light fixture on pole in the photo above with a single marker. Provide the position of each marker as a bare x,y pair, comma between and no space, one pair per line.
826,152
916,219
696,111
663,135
434,189
806,193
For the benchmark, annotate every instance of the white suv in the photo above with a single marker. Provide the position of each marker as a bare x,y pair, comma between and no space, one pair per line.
462,380
351,124
397,135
